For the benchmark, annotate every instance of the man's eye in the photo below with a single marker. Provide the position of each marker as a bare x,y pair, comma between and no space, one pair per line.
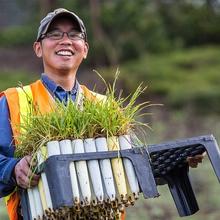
74,35
54,34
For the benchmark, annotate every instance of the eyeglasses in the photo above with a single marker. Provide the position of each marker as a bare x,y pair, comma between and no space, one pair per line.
58,35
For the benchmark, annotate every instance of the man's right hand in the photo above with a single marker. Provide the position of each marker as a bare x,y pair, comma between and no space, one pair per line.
25,178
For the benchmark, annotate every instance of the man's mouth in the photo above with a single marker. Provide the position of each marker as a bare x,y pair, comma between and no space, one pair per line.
64,53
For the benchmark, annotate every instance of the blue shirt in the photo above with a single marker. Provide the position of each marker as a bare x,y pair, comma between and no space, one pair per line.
7,161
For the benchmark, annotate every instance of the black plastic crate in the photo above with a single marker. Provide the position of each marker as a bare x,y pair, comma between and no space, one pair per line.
163,163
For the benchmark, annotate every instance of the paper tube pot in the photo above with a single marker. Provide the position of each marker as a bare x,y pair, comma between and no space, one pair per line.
125,143
94,171
118,170
82,173
106,170
37,201
32,204
66,148
43,184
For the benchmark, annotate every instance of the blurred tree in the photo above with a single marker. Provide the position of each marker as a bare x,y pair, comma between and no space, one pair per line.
122,30
47,6
189,23
133,27
101,40
211,4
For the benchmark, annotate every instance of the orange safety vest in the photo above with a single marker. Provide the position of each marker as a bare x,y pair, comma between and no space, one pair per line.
44,101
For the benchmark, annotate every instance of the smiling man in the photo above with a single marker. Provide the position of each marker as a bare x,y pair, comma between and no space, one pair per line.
62,45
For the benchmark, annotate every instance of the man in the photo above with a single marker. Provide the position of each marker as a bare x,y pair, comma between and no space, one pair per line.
62,45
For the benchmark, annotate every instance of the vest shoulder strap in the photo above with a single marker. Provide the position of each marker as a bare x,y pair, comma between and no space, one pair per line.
92,95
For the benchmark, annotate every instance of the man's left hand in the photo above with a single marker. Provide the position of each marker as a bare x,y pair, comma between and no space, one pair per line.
194,161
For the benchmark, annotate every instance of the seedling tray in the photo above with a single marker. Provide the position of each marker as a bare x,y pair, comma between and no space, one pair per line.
155,164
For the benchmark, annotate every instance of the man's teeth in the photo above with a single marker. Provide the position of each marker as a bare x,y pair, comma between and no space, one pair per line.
64,53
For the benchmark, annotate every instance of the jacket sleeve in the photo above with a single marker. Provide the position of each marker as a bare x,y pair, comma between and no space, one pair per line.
7,161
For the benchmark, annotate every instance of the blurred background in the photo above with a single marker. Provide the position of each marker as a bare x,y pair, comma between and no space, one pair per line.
171,46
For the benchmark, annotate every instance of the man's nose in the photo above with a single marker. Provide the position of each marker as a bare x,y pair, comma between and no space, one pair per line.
65,39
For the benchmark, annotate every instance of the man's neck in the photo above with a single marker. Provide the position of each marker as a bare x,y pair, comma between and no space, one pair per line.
67,82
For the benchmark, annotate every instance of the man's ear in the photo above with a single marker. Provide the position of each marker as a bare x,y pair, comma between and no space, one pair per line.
38,49
86,49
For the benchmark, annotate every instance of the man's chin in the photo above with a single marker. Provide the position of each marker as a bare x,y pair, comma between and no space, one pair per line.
65,70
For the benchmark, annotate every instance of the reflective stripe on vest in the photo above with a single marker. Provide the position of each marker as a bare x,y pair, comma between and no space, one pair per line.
25,97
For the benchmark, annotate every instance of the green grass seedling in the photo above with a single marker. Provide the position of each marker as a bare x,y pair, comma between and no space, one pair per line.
105,117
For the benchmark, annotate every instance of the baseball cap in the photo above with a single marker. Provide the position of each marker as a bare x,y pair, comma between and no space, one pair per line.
60,12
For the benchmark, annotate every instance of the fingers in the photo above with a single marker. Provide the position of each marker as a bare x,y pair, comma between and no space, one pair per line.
34,180
193,164
194,161
24,176
199,158
190,162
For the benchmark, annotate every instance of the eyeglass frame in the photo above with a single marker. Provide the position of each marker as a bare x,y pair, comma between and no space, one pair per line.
43,36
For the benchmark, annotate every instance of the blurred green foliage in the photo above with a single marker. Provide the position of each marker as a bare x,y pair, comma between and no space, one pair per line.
121,30
192,23
182,78
186,78
17,36
12,78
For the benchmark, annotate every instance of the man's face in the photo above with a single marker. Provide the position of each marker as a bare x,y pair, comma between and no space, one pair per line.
61,56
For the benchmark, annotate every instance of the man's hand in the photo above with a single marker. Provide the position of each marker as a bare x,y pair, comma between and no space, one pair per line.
194,161
25,178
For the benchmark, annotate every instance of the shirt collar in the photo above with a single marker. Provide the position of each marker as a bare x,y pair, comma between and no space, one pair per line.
53,87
